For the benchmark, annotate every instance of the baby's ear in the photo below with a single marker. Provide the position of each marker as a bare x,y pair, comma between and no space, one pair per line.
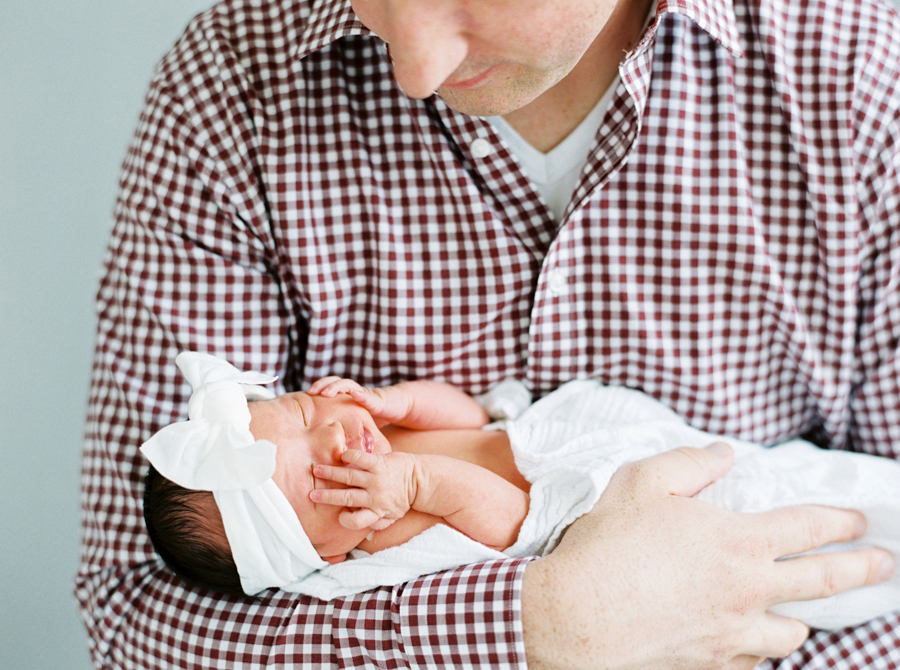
334,560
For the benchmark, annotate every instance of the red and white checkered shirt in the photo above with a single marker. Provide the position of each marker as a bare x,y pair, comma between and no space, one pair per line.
732,249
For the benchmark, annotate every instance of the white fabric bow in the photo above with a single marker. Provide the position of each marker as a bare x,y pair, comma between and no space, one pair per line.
215,451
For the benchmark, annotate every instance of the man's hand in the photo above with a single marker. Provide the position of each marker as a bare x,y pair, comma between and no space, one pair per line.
654,579
382,489
387,404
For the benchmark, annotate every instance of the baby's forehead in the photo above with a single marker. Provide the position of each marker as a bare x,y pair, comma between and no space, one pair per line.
259,404
269,419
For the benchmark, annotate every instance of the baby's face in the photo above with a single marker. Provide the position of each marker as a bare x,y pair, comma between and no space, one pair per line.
309,430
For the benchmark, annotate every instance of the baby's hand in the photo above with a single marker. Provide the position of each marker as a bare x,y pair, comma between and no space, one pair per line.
387,403
382,488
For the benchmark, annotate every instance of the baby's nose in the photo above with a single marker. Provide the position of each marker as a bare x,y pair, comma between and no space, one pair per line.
338,441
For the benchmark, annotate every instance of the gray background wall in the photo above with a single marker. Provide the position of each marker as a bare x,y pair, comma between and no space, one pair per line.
73,77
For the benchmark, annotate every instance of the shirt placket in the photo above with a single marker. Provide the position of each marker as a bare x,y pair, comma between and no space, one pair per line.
504,187
563,277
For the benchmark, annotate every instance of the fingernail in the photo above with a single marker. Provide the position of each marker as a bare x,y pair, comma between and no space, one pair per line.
887,569
719,449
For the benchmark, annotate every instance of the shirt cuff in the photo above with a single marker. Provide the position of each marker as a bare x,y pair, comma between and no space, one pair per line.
469,617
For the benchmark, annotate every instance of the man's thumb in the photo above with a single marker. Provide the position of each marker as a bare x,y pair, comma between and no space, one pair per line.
687,471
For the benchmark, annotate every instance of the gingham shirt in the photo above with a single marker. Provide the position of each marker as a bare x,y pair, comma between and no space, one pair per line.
731,249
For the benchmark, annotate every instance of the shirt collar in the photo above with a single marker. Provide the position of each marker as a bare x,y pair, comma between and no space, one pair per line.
324,22
328,20
715,17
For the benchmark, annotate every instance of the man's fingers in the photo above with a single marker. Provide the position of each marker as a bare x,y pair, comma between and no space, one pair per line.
794,530
800,529
776,636
745,662
825,574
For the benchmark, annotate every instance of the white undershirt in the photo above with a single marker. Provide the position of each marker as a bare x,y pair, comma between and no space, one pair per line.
555,174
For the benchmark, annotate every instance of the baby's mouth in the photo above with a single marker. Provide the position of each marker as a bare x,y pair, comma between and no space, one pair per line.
368,441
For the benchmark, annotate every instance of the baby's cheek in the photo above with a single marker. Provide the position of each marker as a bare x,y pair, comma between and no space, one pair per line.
348,540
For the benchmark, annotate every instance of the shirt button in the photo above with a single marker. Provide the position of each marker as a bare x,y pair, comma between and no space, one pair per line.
480,147
557,281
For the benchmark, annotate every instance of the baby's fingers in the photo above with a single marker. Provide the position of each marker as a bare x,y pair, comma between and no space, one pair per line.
382,523
342,475
359,459
358,519
322,383
337,385
368,398
341,497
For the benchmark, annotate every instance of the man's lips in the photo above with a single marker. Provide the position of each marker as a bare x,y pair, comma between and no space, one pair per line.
471,82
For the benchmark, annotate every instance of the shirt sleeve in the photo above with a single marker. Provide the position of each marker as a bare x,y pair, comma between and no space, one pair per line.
875,399
192,266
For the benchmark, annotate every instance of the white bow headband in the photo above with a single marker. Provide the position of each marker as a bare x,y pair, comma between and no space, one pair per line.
215,451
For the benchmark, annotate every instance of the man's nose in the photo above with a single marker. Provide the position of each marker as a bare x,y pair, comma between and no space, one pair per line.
427,42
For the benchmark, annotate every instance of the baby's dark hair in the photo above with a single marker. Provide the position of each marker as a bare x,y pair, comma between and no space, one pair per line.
186,529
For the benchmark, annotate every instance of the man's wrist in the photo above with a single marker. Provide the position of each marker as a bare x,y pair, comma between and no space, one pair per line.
538,617
562,613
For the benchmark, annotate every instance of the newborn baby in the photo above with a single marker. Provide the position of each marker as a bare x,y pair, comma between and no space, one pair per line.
263,484
403,479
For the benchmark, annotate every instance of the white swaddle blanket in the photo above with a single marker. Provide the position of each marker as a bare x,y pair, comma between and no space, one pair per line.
570,443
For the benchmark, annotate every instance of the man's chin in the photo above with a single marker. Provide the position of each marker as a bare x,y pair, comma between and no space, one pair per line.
486,101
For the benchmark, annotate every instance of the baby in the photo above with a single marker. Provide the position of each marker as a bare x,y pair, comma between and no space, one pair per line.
292,485
418,446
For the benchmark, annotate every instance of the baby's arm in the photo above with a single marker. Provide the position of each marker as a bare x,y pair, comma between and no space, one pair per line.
417,405
470,498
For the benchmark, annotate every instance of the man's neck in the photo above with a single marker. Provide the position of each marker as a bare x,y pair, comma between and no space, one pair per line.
550,118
